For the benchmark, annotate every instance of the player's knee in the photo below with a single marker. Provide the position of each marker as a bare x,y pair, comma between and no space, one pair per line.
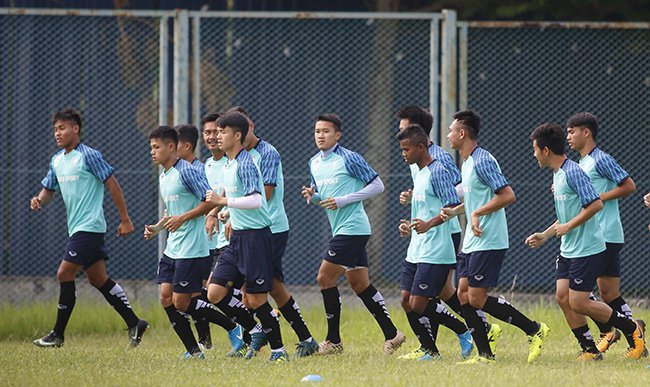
181,304
404,300
579,305
214,295
608,295
97,282
562,299
476,300
64,275
324,281
417,307
166,300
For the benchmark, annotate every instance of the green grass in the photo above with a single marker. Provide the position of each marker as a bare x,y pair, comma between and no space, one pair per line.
96,353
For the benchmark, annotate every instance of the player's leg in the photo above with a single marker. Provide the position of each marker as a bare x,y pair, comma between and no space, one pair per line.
472,317
328,275
202,325
449,293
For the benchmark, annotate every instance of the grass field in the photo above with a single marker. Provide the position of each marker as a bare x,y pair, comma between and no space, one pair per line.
96,353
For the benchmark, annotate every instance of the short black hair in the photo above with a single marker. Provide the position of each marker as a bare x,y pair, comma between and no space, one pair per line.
549,135
236,121
212,117
240,109
188,133
584,120
330,117
417,115
166,134
415,134
69,115
471,120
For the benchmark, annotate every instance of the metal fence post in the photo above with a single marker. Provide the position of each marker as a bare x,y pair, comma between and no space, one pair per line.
196,78
181,70
448,80
434,78
163,113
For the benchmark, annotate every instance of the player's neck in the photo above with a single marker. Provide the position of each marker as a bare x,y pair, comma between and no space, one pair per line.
556,162
424,161
189,159
170,162
467,148
234,151
589,146
253,143
72,146
217,155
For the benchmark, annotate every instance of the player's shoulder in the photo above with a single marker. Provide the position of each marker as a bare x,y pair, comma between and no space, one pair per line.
88,151
265,148
58,154
244,159
601,157
347,154
572,169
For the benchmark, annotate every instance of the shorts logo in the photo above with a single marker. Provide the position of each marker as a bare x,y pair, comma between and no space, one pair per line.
259,281
423,286
478,277
184,283
72,253
331,253
578,281
329,316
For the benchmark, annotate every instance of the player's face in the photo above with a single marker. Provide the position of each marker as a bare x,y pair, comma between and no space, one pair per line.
326,135
455,134
403,123
160,152
210,133
228,138
65,133
541,155
576,137
411,153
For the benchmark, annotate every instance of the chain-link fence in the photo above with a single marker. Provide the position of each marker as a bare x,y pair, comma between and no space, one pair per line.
520,76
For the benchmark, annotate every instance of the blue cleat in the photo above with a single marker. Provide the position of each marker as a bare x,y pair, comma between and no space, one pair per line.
429,356
236,337
466,344
306,348
279,356
192,356
258,340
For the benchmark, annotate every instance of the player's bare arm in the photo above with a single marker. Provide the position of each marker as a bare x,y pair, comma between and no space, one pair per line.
584,215
626,188
37,202
174,222
539,238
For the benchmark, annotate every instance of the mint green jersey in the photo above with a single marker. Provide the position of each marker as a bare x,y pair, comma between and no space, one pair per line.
340,173
182,188
605,174
572,192
214,172
432,190
482,178
242,178
267,158
80,175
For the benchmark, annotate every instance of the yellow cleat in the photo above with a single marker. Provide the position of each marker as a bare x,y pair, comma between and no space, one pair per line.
493,335
478,360
589,356
536,341
607,339
413,355
639,343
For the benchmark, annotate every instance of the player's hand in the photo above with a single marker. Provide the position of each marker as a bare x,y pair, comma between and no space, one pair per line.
35,204
646,200
149,232
308,192
227,230
404,228
649,227
211,225
174,223
561,229
223,216
476,225
215,198
552,188
420,226
405,197
535,240
125,227
447,213
328,204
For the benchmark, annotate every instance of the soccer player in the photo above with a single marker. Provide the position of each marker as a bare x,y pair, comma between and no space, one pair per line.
248,257
341,180
183,189
81,173
431,249
583,250
188,136
611,183
267,158
486,194
414,114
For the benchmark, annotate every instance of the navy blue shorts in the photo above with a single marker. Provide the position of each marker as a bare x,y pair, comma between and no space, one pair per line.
86,248
279,247
456,239
186,275
581,272
424,279
611,266
348,251
481,268
246,260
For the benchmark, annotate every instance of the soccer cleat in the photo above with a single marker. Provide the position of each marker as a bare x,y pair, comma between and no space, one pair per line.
429,356
536,341
607,339
329,348
279,356
590,356
415,354
198,355
493,335
478,360
306,348
466,344
136,332
236,337
206,342
258,340
391,345
49,340
639,343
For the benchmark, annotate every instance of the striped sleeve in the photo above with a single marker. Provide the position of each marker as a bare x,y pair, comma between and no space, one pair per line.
448,162
194,180
249,177
269,165
608,168
50,182
95,163
443,186
579,182
489,173
357,167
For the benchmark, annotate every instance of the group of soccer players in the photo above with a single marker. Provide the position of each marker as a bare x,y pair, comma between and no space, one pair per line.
228,231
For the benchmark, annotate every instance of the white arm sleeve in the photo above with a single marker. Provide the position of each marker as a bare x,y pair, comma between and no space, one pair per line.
374,188
459,191
250,202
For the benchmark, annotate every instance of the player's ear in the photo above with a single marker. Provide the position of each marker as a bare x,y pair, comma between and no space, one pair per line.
337,134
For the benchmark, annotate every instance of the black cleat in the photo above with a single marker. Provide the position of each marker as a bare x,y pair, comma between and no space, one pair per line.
136,332
49,340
